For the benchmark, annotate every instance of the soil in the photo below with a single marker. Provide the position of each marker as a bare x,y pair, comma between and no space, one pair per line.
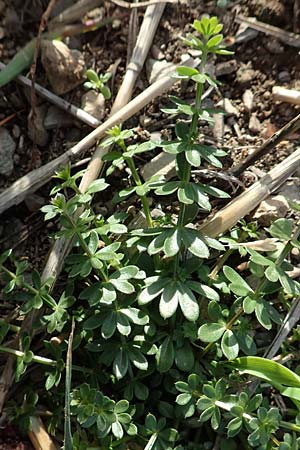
258,65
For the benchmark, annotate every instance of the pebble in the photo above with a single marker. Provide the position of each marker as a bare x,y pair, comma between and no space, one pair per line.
57,118
274,207
65,68
93,103
291,190
245,75
228,106
248,99
7,149
34,202
274,46
226,68
254,124
284,77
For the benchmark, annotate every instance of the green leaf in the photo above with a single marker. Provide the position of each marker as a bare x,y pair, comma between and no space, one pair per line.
268,370
234,427
172,243
97,186
123,286
194,243
215,41
282,228
184,357
188,303
109,326
186,72
137,358
183,399
92,75
211,332
155,286
238,285
165,355
120,365
169,300
229,345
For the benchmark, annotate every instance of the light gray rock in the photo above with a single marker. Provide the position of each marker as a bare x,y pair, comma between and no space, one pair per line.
7,149
274,207
93,103
254,124
248,99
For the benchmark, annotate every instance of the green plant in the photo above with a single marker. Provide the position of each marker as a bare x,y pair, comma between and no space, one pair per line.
159,319
98,82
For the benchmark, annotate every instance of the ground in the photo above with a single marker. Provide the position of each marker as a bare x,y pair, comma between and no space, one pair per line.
256,66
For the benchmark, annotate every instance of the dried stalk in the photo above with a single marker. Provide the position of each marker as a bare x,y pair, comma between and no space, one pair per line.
268,145
38,435
36,178
287,37
78,113
75,12
248,200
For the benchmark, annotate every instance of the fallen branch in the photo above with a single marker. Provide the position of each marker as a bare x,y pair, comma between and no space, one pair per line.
286,37
268,145
75,12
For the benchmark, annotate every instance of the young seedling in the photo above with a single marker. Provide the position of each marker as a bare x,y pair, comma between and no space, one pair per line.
98,82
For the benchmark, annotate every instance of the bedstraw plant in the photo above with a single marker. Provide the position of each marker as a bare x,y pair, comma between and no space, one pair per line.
164,346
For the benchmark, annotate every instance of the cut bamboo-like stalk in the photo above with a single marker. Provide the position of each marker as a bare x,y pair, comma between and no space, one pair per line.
38,435
75,12
36,178
282,94
59,102
250,199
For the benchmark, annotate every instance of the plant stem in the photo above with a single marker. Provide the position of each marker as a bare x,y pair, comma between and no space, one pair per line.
138,182
192,136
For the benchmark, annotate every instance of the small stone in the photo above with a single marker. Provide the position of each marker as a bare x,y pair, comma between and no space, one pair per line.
16,131
245,75
228,106
274,207
254,124
57,118
248,100
156,69
284,77
274,46
157,53
36,129
93,103
65,68
7,149
226,68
